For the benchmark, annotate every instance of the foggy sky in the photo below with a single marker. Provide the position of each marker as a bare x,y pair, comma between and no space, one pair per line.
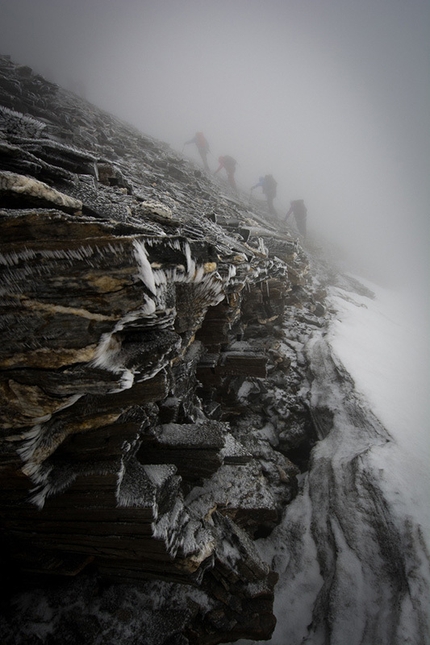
330,96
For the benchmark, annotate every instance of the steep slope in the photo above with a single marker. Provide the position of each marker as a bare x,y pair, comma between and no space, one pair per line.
183,454
352,548
141,358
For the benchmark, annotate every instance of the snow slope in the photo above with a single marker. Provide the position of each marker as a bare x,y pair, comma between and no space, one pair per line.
352,550
384,345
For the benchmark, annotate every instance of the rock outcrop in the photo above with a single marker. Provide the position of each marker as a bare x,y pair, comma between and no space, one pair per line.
152,424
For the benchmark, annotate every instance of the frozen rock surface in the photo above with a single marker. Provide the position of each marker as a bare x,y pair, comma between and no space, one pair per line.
170,404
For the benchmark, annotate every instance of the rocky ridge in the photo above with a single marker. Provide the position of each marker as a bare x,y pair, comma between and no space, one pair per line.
153,415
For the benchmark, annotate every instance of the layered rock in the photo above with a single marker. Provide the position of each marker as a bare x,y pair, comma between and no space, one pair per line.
141,315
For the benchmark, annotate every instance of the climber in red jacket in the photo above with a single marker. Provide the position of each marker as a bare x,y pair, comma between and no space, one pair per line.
229,165
202,147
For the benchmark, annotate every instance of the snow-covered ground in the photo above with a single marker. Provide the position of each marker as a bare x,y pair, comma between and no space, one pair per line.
353,549
384,345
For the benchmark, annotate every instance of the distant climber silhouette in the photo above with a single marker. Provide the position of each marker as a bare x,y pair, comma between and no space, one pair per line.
268,184
299,210
229,165
202,147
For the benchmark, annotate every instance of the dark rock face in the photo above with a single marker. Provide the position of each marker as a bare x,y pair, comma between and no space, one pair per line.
149,399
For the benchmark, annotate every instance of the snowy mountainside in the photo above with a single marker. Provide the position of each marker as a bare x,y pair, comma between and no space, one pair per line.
352,550
196,443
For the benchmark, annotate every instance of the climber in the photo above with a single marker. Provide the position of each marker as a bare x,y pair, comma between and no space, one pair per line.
202,147
268,184
299,211
229,165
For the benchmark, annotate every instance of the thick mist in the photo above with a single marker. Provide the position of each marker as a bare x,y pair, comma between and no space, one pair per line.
331,97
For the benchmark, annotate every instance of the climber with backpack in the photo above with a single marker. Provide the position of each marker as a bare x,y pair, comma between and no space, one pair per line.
268,184
202,146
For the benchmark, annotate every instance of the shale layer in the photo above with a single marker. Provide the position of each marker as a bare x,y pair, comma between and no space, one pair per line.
151,419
